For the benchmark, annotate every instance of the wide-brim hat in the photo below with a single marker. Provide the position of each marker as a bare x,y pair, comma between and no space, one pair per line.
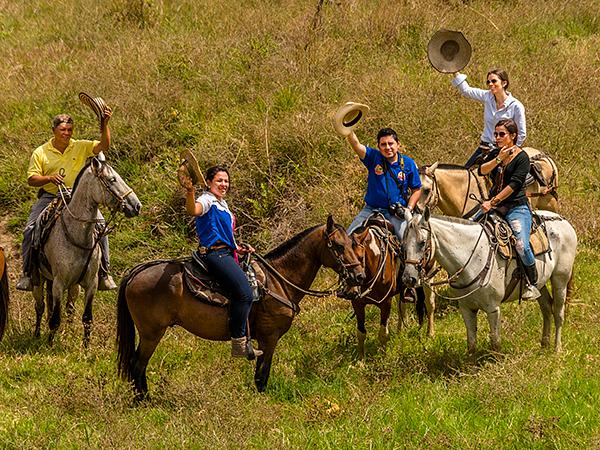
348,116
96,104
191,163
448,51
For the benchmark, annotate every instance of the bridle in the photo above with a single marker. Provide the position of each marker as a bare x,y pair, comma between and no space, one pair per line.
338,254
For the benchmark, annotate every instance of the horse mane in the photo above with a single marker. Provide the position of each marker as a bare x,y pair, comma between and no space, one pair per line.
443,166
285,247
83,169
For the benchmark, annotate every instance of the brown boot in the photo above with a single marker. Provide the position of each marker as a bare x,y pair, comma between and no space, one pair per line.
242,347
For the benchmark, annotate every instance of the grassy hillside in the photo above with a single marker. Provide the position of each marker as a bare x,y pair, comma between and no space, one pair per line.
253,84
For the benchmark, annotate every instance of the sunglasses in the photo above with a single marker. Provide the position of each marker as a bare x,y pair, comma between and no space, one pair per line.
500,134
492,81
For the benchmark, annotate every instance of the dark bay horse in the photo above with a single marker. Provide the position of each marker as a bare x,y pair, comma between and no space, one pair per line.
377,248
71,250
4,295
153,297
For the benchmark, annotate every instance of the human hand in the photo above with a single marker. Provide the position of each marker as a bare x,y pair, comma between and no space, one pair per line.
106,115
184,178
486,206
56,178
244,249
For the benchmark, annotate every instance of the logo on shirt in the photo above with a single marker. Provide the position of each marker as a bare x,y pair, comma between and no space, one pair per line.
401,176
378,170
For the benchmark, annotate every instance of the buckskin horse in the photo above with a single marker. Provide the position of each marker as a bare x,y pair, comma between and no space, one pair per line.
4,295
457,191
71,255
481,278
377,248
153,297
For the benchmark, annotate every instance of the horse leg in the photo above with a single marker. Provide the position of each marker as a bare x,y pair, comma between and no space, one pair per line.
493,318
72,294
361,332
263,364
384,315
470,318
558,299
545,302
430,308
144,351
87,317
54,311
401,313
40,306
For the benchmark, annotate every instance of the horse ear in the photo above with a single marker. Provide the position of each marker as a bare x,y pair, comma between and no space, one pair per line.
96,165
330,224
429,171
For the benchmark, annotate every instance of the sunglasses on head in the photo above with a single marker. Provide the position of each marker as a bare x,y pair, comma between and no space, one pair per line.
500,133
493,81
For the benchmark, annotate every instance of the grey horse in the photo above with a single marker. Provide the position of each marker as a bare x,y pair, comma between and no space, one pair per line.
71,251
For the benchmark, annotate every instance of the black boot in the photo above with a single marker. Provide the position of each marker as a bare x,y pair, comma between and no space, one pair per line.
531,292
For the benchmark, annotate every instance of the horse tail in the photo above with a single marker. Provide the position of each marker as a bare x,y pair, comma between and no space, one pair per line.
125,334
4,300
420,305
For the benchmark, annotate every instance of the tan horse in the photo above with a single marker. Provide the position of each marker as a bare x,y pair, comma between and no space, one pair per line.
450,187
4,296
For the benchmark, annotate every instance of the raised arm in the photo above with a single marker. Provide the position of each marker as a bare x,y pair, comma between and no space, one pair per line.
358,148
104,143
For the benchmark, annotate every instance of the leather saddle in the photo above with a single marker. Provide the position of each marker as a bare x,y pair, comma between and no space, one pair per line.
499,231
205,288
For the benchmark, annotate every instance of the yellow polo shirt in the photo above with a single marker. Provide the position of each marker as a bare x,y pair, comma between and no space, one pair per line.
47,160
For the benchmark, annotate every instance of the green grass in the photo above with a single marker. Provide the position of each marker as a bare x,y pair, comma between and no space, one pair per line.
254,85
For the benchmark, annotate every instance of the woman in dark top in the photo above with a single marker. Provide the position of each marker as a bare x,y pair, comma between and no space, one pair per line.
508,166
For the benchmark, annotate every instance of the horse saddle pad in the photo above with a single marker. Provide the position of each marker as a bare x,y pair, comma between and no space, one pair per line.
204,287
538,240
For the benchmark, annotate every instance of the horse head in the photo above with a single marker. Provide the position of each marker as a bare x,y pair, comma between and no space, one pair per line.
417,248
114,192
340,255
429,190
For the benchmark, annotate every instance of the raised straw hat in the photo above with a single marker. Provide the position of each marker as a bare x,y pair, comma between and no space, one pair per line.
448,51
96,104
348,116
193,169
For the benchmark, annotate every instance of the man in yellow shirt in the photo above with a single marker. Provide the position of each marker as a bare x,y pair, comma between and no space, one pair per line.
57,162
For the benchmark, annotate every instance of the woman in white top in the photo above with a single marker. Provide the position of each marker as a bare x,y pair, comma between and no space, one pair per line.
498,104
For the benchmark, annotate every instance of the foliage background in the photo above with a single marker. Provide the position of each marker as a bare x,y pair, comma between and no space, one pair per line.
253,85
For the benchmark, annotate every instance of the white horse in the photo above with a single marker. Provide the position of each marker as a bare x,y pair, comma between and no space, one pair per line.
480,276
72,250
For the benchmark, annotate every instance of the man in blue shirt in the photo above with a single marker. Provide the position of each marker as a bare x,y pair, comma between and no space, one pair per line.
393,182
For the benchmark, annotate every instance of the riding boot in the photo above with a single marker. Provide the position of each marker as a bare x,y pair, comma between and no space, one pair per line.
105,281
531,292
242,347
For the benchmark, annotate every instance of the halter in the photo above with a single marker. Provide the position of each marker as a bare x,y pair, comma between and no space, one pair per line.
428,255
324,293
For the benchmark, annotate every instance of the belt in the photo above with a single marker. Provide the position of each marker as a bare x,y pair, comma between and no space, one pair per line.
212,248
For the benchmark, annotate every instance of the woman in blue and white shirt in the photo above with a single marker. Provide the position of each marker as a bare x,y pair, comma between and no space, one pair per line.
215,227
498,104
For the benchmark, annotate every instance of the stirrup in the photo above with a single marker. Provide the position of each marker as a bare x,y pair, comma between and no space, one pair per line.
24,284
530,293
106,283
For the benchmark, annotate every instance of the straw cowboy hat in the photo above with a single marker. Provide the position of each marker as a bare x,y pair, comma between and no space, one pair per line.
348,116
448,51
191,164
97,105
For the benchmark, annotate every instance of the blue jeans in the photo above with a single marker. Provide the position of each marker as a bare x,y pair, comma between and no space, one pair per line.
37,208
398,224
225,269
519,219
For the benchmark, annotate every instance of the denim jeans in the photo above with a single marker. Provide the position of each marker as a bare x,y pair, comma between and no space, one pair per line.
37,208
398,224
225,269
519,219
